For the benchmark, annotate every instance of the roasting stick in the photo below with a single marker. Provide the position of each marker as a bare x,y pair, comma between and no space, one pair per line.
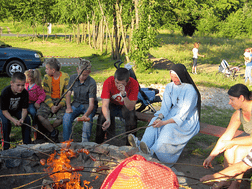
41,133
131,131
36,180
23,174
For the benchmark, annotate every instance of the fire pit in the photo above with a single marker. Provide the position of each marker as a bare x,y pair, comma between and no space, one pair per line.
65,165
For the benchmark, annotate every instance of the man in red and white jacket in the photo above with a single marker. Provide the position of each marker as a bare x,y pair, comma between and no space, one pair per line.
119,97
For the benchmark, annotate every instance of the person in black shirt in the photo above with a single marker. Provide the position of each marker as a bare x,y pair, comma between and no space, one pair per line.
14,104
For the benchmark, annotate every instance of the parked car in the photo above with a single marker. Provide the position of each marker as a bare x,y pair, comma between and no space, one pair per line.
14,59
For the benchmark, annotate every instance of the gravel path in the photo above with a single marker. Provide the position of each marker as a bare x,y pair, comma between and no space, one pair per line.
210,96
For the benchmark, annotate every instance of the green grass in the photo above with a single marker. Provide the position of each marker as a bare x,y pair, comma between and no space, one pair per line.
173,47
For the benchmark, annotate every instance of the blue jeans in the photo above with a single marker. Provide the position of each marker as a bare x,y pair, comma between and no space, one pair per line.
68,119
33,112
7,128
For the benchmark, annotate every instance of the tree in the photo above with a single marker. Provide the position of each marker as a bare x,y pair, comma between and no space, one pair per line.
144,37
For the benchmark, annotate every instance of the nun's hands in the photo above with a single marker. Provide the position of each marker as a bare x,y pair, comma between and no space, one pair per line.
158,123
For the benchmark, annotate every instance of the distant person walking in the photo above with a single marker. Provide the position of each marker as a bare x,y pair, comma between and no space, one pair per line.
248,62
195,57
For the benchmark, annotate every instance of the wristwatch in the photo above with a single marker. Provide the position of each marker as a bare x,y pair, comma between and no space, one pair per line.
160,117
124,95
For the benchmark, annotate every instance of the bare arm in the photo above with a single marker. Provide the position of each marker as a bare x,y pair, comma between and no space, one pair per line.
68,102
229,172
159,123
90,107
106,113
130,105
9,117
227,136
24,114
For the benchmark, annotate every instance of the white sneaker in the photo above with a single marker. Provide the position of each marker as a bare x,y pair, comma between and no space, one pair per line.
144,148
132,140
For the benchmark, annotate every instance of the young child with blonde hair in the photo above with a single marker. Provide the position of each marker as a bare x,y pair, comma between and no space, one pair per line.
195,57
36,94
248,63
55,84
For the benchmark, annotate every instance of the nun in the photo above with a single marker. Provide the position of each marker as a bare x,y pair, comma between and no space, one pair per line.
176,122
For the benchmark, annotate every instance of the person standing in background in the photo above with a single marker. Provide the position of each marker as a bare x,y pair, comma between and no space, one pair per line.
195,57
248,63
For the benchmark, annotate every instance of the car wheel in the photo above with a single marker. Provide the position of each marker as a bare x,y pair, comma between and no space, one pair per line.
14,66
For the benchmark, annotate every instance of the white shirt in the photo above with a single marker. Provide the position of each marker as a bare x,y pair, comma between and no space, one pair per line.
195,52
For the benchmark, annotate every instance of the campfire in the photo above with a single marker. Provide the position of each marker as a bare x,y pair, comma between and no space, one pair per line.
60,170
69,165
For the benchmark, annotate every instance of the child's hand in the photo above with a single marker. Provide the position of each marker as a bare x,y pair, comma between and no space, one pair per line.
37,106
54,109
157,123
18,122
69,110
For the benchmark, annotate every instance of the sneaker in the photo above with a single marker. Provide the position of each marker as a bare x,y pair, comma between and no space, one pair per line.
144,148
132,140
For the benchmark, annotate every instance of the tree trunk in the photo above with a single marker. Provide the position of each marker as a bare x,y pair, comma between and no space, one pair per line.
137,13
43,32
117,55
108,32
112,44
101,31
89,33
85,34
94,31
33,30
131,33
74,33
78,34
119,11
106,37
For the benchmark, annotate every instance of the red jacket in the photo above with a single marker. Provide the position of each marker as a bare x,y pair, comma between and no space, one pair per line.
36,94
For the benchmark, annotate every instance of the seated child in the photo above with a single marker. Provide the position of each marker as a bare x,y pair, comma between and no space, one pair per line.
84,101
54,84
36,94
14,104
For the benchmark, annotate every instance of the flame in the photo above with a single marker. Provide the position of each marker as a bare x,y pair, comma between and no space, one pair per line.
66,175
